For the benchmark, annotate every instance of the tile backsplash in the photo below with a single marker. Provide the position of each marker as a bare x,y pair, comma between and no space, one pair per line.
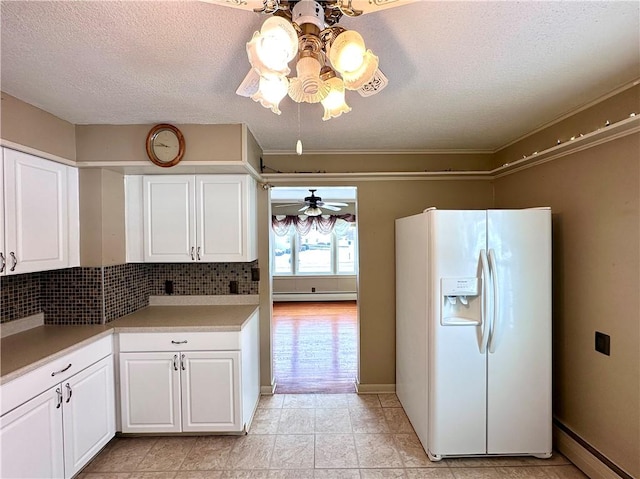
97,295
19,296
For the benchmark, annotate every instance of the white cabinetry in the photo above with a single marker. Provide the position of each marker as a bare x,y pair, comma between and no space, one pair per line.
40,214
185,218
57,432
183,391
189,381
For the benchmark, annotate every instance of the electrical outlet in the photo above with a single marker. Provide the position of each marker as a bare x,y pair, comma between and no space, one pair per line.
255,274
603,343
233,287
313,290
168,287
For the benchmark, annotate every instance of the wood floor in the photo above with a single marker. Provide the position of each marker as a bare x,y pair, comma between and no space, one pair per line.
315,347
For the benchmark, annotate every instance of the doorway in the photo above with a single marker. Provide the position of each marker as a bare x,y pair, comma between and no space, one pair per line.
314,270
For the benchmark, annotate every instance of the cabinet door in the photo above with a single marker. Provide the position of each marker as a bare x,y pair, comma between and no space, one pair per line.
31,438
150,392
36,209
169,219
3,251
211,391
223,216
88,414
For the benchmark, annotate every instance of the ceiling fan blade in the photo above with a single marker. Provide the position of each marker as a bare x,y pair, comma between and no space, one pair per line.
331,207
334,203
288,204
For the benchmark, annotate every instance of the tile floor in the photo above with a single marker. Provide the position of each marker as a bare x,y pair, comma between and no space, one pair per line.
304,436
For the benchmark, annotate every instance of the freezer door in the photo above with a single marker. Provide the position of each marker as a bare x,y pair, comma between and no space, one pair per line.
457,372
519,358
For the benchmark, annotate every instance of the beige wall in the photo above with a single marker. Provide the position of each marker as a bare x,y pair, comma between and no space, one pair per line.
102,222
613,109
594,196
379,203
27,125
98,143
358,163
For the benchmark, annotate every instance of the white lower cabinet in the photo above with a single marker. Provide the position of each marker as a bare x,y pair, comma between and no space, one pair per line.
59,431
191,391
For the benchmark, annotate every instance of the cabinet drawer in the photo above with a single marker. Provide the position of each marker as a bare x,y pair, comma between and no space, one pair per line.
31,384
186,341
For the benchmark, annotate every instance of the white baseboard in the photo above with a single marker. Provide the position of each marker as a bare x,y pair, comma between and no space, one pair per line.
268,390
581,457
375,388
314,297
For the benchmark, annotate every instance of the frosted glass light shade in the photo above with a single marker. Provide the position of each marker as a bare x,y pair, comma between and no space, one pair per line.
355,80
334,104
307,86
273,47
347,52
313,211
271,91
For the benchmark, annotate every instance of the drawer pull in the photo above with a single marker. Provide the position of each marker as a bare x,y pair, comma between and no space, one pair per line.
179,342
61,371
69,392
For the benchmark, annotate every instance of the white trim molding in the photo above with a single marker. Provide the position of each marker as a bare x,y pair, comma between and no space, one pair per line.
374,388
582,457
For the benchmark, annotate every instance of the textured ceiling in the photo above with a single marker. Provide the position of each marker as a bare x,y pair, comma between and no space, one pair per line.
462,75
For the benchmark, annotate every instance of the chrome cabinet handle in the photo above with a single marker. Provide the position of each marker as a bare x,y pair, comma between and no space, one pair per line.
198,253
15,261
175,362
3,262
192,257
69,392
179,342
61,371
59,392
182,362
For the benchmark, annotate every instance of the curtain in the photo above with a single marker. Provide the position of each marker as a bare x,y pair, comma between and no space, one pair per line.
302,224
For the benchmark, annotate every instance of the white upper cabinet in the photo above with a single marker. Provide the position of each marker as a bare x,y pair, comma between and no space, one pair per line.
40,214
186,218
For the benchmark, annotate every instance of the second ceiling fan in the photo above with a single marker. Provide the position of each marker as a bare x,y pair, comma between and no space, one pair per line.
312,204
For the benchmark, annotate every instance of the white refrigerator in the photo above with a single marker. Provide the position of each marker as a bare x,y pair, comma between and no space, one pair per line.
473,330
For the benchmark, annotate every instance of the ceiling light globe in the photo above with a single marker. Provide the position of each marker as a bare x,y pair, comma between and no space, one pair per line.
278,43
347,51
271,91
313,211
364,74
334,104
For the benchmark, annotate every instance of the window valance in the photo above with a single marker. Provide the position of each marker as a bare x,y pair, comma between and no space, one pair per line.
302,224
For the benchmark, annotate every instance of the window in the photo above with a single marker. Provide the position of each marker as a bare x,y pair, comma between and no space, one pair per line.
316,253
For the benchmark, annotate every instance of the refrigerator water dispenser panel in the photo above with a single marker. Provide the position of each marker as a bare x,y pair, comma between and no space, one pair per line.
460,302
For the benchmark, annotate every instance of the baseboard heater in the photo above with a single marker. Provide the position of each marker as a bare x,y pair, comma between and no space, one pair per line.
586,457
318,296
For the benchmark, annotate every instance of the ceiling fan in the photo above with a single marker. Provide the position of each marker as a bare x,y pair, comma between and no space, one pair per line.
313,203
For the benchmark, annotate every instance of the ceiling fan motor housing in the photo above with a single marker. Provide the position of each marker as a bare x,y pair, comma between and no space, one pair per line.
308,11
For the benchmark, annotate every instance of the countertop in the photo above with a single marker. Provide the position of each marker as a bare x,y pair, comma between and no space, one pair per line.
28,350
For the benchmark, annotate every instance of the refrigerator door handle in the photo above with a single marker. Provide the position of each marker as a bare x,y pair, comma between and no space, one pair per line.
485,302
495,323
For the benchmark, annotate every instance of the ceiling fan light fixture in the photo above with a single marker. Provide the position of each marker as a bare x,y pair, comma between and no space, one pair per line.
313,211
347,52
362,76
271,91
307,31
334,104
308,87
